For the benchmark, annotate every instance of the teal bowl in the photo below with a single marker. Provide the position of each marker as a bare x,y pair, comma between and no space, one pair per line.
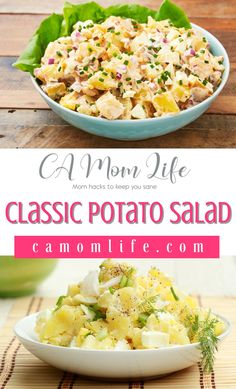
21,277
142,128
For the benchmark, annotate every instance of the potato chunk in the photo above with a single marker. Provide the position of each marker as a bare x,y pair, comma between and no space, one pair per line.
165,103
109,107
101,82
55,89
138,112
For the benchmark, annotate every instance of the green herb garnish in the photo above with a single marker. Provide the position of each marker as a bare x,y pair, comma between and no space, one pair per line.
165,75
208,344
59,302
98,314
147,305
142,319
203,331
123,281
174,294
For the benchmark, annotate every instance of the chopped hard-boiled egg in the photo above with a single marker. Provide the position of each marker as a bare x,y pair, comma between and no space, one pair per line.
155,339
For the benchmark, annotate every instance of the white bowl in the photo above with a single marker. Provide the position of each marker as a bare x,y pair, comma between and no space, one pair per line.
129,364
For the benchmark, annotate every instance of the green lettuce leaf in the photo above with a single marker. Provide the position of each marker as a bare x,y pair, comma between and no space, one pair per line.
61,25
75,12
48,31
133,11
178,17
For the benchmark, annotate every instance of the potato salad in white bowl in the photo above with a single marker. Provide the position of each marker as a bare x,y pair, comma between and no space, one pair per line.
118,324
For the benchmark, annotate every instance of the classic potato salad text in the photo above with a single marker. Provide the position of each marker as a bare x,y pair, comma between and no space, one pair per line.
117,309
121,69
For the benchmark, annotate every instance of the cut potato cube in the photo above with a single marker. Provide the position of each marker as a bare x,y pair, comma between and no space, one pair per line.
113,50
55,90
173,34
102,82
202,69
70,101
165,103
119,325
128,107
180,93
198,43
109,106
154,339
48,73
168,56
139,41
138,112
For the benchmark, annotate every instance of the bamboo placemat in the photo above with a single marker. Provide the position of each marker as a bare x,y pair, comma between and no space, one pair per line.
21,370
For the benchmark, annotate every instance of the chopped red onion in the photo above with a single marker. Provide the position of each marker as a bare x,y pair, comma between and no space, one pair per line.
164,40
118,76
50,61
77,34
190,53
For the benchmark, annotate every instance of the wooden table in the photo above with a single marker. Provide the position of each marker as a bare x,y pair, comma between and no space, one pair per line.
27,122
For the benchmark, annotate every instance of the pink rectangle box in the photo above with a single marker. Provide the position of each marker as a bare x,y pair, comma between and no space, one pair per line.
117,247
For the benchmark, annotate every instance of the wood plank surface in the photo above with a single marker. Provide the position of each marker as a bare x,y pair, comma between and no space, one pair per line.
44,129
214,8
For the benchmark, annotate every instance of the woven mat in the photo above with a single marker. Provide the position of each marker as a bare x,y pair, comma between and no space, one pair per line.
21,370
